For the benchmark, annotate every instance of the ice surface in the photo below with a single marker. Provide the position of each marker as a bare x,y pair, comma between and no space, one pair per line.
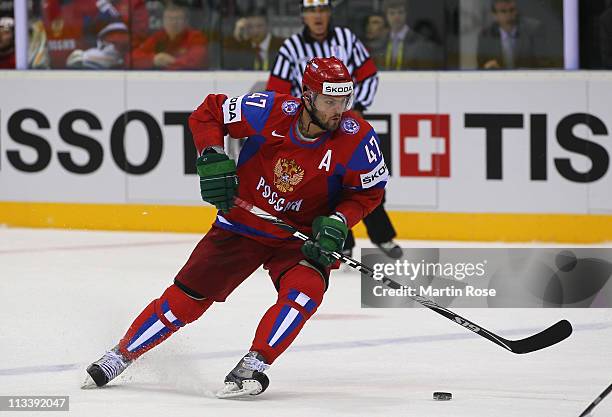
67,296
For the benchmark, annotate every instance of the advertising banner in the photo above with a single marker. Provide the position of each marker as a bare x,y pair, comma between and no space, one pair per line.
455,142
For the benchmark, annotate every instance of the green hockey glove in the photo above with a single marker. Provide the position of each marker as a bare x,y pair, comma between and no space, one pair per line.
329,234
218,180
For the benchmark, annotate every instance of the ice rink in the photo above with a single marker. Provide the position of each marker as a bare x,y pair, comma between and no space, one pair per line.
67,296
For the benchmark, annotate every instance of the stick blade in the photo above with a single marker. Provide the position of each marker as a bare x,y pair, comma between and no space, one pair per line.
547,337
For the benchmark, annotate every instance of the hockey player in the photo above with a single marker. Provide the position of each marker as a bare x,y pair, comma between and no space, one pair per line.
319,38
313,163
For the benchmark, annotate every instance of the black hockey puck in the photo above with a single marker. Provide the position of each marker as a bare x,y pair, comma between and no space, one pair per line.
442,396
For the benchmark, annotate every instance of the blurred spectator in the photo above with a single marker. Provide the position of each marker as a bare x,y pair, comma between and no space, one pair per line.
75,24
64,28
6,8
406,48
38,55
512,41
252,47
110,52
133,13
428,30
376,33
605,32
176,47
155,9
7,43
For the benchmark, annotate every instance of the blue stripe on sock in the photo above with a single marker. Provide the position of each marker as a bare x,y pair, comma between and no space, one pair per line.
166,308
284,311
310,306
164,331
150,321
296,322
293,295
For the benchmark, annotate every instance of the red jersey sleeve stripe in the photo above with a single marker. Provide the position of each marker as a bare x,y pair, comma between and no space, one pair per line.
365,71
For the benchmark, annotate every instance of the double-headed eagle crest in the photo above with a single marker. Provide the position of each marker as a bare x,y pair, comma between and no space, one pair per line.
287,174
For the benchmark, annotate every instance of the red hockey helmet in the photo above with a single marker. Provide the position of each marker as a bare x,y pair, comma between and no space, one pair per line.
328,76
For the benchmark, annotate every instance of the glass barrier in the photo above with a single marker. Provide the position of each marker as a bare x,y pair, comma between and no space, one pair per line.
596,34
247,34
506,34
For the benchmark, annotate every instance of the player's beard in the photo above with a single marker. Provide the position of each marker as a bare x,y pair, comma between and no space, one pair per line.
332,122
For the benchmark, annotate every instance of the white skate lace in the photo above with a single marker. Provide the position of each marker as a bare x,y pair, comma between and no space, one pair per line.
254,364
111,364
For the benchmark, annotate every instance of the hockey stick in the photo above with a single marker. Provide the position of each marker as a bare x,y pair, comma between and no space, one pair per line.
548,337
596,401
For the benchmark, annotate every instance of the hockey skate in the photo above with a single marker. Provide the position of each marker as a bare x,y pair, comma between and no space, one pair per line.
247,378
105,369
391,249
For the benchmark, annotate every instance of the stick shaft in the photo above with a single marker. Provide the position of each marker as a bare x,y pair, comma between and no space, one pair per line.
596,401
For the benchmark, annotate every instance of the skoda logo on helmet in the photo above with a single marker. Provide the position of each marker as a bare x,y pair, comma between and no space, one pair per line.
337,89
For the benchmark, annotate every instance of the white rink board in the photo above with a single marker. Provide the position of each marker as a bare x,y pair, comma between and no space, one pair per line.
468,189
554,96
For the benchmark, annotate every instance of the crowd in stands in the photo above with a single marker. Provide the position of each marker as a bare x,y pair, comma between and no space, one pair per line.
246,35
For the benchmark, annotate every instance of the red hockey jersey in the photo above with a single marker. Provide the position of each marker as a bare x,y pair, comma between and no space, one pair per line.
341,171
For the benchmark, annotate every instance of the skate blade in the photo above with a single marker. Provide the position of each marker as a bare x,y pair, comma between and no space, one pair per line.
89,383
231,389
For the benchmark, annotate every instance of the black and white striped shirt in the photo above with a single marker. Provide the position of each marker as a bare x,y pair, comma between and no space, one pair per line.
298,49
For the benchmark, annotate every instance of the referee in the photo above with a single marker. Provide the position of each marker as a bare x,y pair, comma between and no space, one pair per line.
320,39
